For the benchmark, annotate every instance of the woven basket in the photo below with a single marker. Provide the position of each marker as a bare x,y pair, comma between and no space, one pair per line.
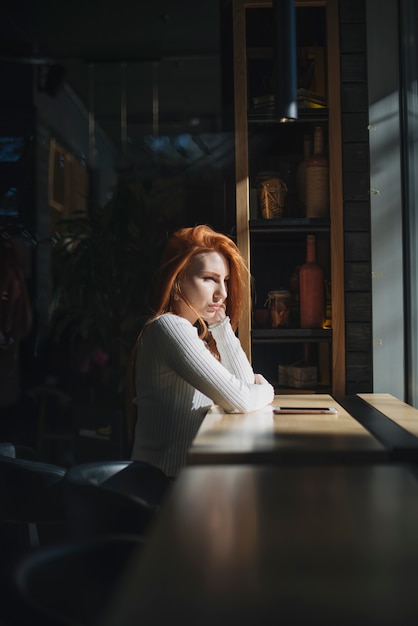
298,375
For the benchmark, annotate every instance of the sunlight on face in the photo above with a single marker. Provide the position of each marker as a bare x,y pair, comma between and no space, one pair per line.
203,288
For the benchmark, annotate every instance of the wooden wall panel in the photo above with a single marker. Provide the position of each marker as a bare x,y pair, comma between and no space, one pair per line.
356,156
353,37
357,246
356,184
357,277
353,97
354,126
352,11
354,67
359,364
356,215
358,307
359,336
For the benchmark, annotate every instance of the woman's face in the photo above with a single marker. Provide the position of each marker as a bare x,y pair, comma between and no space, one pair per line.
203,285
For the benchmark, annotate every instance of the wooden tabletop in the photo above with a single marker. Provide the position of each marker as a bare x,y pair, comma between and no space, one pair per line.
262,437
253,545
393,422
401,413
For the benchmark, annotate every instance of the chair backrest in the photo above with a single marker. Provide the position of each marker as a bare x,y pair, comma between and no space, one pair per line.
140,479
30,491
7,449
71,583
32,510
97,503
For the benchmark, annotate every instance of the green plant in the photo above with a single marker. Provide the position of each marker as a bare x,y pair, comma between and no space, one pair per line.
103,265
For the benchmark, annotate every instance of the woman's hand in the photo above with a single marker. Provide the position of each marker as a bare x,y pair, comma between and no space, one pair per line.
219,315
260,380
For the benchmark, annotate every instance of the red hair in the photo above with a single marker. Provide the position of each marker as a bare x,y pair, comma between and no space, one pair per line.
185,244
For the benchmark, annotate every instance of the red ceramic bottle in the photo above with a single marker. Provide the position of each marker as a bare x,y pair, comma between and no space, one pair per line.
317,179
311,288
301,173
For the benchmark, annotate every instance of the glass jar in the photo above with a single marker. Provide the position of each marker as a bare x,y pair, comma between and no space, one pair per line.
271,192
278,302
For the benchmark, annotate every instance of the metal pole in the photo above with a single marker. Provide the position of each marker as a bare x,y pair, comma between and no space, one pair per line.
123,115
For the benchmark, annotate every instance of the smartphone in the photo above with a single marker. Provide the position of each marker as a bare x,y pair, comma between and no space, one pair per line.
325,410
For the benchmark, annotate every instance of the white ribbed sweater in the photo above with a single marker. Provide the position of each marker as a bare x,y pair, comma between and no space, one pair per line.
178,379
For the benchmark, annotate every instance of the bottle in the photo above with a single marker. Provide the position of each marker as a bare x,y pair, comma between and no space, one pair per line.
294,298
301,173
311,288
328,306
317,179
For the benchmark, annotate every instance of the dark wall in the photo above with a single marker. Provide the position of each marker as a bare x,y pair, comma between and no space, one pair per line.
357,236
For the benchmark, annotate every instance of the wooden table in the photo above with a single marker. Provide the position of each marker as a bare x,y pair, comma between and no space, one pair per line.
400,412
393,422
253,545
261,437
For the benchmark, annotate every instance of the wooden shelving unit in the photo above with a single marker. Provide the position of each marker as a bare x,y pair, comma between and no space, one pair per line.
253,232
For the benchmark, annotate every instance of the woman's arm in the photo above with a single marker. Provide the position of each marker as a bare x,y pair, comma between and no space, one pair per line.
232,355
189,357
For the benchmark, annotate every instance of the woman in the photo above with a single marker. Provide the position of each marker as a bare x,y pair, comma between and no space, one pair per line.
188,356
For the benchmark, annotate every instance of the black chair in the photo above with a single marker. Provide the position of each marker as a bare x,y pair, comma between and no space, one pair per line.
71,583
112,497
18,451
32,513
8,449
30,496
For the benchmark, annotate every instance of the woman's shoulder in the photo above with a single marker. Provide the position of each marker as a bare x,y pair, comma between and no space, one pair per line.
169,321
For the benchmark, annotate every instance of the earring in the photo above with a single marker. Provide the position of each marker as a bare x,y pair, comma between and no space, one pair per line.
176,291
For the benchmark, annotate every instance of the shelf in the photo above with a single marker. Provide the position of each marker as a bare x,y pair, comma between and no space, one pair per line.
290,224
305,115
273,249
281,390
291,335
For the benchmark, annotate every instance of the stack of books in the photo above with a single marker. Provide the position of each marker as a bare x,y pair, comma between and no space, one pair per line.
310,100
263,104
306,100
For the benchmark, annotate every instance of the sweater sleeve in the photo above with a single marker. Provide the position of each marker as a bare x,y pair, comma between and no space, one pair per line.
229,346
188,356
